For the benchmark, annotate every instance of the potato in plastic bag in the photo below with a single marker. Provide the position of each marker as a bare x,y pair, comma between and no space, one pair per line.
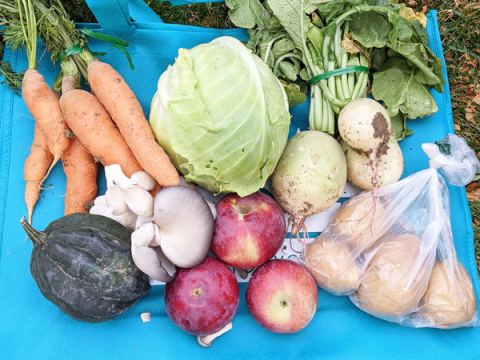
334,257
332,266
450,299
404,253
396,278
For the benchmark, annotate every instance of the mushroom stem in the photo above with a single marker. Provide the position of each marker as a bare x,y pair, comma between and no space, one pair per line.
206,341
213,209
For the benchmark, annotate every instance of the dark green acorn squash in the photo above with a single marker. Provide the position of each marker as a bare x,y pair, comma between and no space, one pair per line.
82,263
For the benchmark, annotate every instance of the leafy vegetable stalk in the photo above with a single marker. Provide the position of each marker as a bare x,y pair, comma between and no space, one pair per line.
60,34
301,39
289,36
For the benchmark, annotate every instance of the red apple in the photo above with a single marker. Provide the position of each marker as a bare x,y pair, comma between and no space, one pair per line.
248,231
282,296
204,299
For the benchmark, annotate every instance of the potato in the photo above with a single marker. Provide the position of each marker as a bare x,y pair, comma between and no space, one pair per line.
389,287
450,299
346,221
332,266
389,166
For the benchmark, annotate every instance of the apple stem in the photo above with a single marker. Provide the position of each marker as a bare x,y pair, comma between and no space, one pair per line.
206,341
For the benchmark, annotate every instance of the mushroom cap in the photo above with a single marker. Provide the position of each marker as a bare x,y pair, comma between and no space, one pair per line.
143,179
139,201
150,260
186,225
115,199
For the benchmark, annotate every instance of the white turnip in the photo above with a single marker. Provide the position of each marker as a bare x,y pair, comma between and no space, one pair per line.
365,126
359,170
310,176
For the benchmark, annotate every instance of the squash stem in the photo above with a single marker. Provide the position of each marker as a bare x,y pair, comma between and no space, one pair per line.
37,237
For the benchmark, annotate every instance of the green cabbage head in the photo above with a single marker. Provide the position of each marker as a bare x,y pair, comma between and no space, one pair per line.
222,117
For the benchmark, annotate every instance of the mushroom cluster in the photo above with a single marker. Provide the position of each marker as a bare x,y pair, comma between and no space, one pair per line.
174,228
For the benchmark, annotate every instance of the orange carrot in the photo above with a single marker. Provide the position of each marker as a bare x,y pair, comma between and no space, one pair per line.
35,168
81,172
120,101
43,104
156,189
94,128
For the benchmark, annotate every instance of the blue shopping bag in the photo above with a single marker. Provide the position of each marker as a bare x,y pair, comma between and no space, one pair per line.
33,328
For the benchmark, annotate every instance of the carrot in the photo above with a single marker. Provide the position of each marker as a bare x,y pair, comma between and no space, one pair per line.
156,189
35,168
81,172
43,104
41,100
120,101
94,128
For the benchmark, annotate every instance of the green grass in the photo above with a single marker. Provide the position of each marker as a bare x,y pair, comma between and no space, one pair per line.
459,28
79,11
214,15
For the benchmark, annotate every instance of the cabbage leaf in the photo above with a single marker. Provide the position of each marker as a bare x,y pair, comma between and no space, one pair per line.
222,116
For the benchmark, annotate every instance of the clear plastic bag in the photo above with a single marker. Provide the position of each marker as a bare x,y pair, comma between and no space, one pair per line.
397,260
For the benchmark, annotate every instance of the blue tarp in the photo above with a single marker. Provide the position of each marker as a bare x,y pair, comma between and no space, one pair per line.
33,328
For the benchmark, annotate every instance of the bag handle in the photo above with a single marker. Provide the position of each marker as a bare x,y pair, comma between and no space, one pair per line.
115,15
141,12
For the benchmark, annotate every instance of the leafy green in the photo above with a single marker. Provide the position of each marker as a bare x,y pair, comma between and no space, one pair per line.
296,93
319,33
397,85
282,47
291,14
378,58
371,29
399,125
248,14
417,68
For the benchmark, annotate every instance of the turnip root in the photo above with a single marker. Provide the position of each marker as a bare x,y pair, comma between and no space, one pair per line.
365,126
359,170
310,176
450,298
333,266
352,219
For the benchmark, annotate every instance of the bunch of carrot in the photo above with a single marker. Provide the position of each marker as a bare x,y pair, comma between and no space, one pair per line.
82,128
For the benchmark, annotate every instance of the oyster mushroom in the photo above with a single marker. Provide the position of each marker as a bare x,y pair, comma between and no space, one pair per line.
148,256
206,341
115,199
115,176
100,207
185,224
139,201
